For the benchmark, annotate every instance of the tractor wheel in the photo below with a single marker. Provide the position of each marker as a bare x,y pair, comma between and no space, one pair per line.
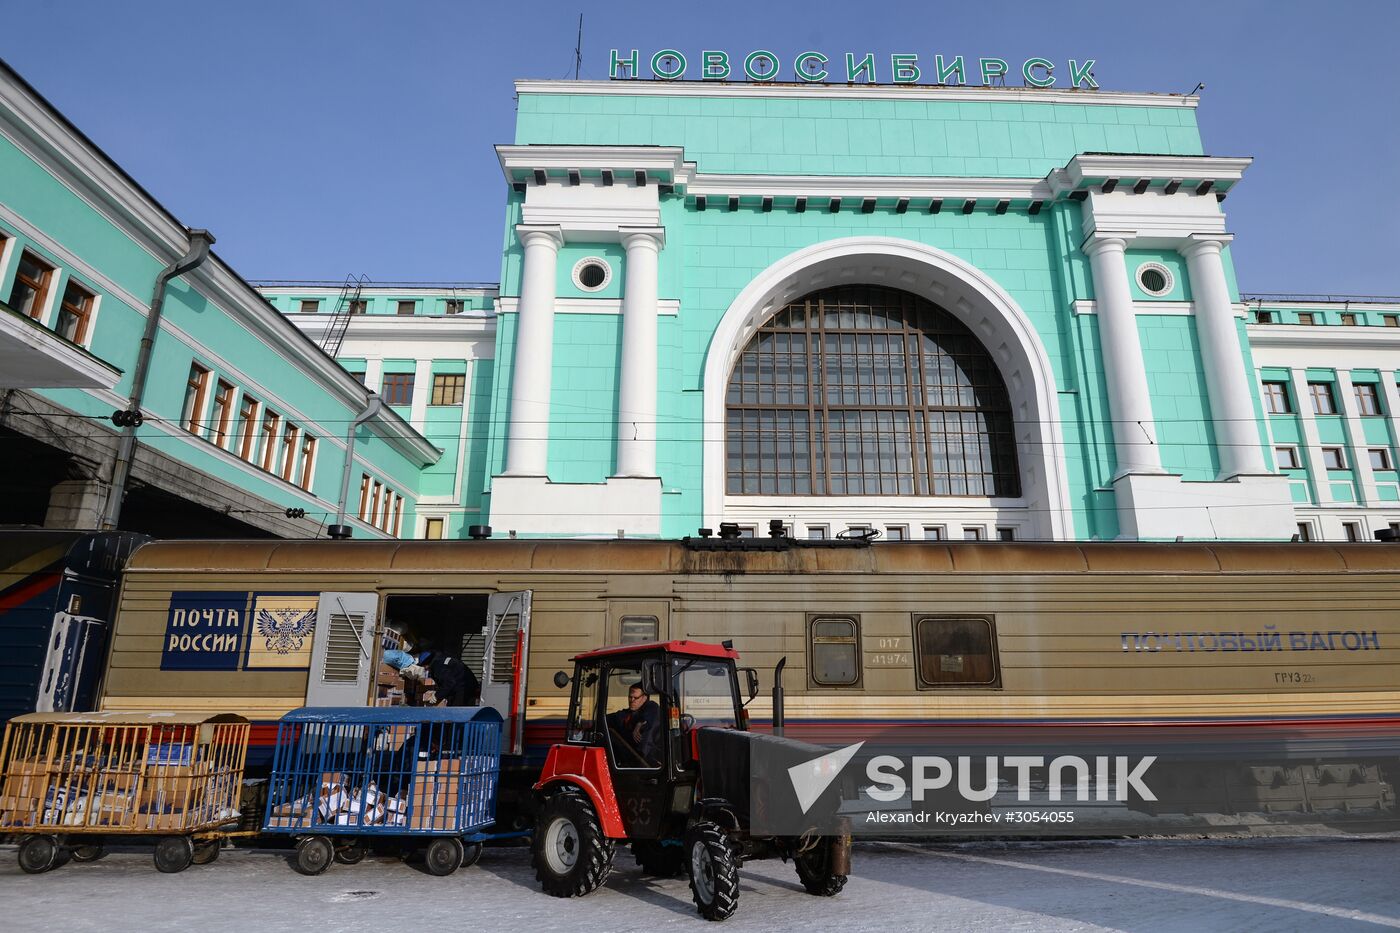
814,870
443,855
314,855
659,860
207,852
38,854
173,854
714,871
570,854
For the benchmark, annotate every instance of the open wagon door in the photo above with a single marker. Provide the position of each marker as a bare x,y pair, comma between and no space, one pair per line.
342,651
505,660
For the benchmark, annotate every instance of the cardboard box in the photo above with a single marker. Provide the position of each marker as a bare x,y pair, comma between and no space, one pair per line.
19,811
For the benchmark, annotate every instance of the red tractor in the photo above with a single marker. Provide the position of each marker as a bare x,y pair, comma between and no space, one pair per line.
657,755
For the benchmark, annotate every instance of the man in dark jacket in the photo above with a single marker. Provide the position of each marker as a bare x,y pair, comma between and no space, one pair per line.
639,728
453,682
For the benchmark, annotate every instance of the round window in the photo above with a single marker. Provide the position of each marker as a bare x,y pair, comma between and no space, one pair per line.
591,274
1154,278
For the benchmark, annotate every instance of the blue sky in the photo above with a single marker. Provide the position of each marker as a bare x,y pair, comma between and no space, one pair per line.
320,139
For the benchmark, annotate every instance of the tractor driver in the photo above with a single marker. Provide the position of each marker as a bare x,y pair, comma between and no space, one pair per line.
637,728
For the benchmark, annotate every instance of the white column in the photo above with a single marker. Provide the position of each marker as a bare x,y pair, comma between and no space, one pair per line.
1359,450
1312,443
1227,382
1129,405
422,390
527,450
636,410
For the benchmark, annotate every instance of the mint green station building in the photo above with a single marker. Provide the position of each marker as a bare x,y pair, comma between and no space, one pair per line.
935,312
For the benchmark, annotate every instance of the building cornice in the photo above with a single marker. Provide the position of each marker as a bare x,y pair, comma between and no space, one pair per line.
1094,169
664,164
1333,337
388,327
921,92
665,307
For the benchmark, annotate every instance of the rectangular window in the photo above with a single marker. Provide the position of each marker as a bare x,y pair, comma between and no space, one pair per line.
247,427
1323,403
376,490
1391,320
972,533
396,526
31,286
310,305
1352,530
364,496
308,460
1286,457
934,533
74,313
956,651
1368,401
193,409
1380,458
223,411
358,375
1348,318
398,389
448,389
1304,532
455,305
896,532
835,650
1006,534
638,630
1306,317
432,529
407,307
267,444
359,306
818,532
1276,400
290,435
1333,458
1264,317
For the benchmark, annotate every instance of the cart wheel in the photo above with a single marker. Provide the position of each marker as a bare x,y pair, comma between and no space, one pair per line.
352,854
174,853
314,855
443,856
37,854
207,852
714,871
90,852
471,851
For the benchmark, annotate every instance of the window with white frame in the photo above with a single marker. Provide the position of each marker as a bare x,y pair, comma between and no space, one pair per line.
1304,532
1351,531
1380,458
972,532
818,532
935,532
1286,456
1334,458
896,532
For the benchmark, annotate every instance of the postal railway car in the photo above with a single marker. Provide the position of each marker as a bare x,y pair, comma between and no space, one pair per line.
1273,656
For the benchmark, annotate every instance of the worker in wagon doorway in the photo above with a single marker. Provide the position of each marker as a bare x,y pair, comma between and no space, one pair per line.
454,684
637,727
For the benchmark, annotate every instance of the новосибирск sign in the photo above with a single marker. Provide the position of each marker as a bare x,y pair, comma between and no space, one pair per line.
850,68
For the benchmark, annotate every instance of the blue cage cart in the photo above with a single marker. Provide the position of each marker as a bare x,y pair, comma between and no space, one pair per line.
345,776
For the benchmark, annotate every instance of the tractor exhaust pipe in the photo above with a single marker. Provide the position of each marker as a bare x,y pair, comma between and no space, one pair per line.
778,696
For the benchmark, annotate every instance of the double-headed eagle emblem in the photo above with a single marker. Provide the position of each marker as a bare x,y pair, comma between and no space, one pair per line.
284,630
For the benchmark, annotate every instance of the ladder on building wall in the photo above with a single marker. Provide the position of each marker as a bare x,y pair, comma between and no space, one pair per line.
343,311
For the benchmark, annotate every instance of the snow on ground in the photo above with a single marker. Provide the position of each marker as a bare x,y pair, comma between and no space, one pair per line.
1268,885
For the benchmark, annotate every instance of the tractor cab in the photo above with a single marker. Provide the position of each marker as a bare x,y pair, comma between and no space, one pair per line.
629,771
640,705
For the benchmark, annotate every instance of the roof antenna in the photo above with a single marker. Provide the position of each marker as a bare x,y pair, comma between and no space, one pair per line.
1199,87
578,48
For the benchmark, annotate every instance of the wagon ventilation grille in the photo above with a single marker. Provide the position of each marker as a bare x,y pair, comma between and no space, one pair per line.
343,649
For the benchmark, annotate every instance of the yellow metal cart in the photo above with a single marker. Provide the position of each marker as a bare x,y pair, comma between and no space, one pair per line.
70,781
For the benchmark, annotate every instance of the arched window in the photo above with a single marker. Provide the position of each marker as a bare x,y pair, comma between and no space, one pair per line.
863,391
